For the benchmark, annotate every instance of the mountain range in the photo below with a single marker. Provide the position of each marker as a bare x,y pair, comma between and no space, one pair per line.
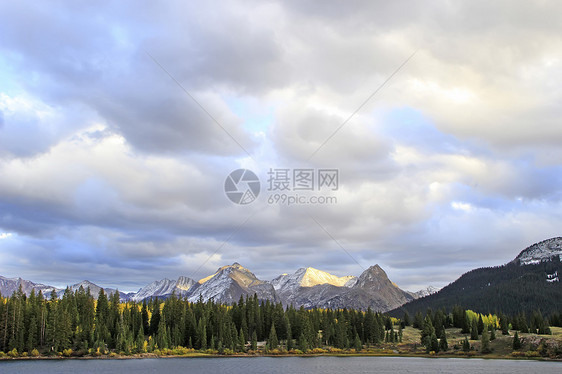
307,287
528,282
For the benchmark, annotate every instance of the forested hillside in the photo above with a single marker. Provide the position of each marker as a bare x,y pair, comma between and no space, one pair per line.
510,289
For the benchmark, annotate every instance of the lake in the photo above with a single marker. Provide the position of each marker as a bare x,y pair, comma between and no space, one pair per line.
261,365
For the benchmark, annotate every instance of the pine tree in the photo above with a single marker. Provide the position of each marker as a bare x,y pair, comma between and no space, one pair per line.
32,334
418,320
434,343
145,320
272,341
427,331
443,345
163,337
504,324
289,336
407,319
474,331
480,324
242,341
465,345
254,342
140,340
357,343
516,342
493,334
203,338
466,324
485,341
155,319
303,343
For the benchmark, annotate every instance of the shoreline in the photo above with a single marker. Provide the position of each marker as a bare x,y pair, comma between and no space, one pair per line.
208,355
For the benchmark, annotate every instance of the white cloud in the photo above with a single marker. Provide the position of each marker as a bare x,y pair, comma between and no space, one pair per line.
106,162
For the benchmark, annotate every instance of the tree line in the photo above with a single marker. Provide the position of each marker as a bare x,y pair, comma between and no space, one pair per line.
81,324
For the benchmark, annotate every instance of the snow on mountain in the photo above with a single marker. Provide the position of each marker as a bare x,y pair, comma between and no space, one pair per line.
309,277
306,287
157,288
164,288
372,289
552,277
229,283
184,283
429,290
9,285
94,290
542,251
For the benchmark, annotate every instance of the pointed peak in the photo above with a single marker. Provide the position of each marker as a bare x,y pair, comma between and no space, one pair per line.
235,265
85,283
374,270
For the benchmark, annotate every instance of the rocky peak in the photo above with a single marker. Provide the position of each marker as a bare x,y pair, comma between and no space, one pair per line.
373,277
541,251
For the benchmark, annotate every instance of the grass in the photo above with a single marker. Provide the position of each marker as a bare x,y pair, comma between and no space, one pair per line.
502,346
534,346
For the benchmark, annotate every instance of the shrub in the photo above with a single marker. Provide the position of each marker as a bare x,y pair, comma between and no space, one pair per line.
318,351
35,353
179,351
13,353
67,352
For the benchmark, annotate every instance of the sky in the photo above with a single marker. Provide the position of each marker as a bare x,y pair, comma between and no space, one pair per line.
121,121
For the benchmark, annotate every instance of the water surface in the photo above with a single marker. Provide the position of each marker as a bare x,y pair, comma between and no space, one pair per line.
274,365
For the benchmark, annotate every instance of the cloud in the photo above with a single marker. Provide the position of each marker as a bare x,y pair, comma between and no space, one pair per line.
111,171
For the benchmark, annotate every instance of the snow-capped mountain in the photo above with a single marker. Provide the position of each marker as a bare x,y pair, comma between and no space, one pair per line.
542,251
310,277
429,290
9,285
184,284
164,287
157,288
309,287
94,290
229,283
